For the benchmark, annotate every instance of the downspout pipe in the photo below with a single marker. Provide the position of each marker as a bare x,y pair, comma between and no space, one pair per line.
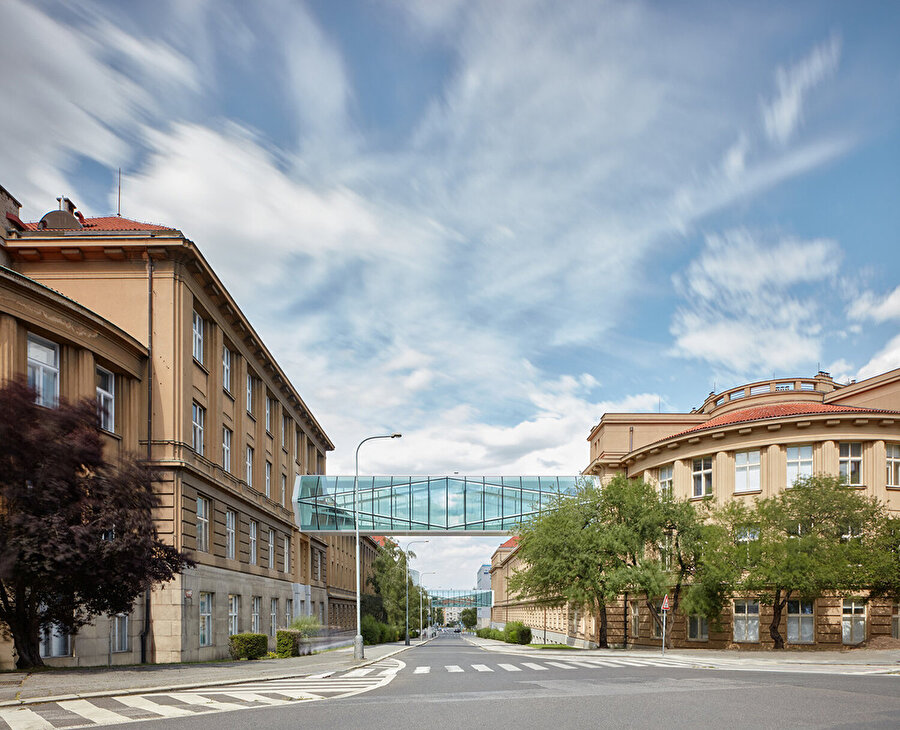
145,633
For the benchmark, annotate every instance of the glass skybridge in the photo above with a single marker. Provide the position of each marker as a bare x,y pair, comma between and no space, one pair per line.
407,505
450,598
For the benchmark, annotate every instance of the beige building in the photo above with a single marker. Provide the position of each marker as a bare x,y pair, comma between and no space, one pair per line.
132,313
747,442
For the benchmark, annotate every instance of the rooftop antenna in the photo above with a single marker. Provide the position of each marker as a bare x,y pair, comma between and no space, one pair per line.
119,204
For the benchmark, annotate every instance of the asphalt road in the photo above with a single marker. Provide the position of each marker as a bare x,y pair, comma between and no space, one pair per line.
465,686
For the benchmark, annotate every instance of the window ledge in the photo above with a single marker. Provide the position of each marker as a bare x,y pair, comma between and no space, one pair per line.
228,393
701,498
200,365
748,491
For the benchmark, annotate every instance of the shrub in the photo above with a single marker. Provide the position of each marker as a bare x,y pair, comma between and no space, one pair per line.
517,633
413,633
485,633
371,630
308,626
287,643
497,635
248,646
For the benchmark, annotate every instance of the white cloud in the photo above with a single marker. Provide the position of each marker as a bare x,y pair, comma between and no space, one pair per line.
886,359
745,306
783,114
879,309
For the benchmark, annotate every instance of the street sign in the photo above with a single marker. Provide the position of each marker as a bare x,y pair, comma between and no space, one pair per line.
665,603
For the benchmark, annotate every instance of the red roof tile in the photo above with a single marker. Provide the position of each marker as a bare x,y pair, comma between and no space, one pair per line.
113,223
511,543
776,410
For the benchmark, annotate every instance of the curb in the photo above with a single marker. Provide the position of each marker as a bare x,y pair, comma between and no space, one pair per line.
190,685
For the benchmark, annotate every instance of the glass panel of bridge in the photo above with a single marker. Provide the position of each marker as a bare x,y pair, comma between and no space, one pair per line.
420,497
492,501
474,503
401,506
438,512
456,513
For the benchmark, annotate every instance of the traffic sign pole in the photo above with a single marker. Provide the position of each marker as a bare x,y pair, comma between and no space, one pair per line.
665,610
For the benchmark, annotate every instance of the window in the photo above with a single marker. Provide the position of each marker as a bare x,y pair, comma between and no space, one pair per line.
850,463
746,471
853,625
43,370
226,448
198,338
234,611
746,620
698,628
800,622
202,525
254,614
198,417
271,548
230,520
760,389
784,386
273,616
249,394
284,494
269,479
253,546
807,386
206,602
120,632
106,399
893,465
635,619
287,554
288,611
702,475
799,463
666,480
285,425
227,357
55,642
268,415
249,467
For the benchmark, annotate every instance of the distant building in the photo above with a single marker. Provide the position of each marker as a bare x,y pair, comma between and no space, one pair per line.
751,441
483,583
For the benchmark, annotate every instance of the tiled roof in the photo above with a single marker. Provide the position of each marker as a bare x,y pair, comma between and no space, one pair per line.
113,223
777,410
511,543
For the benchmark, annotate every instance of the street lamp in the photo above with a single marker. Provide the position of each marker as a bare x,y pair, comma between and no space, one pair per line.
406,554
421,588
358,652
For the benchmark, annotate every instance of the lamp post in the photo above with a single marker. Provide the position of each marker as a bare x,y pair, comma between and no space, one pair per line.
358,652
406,555
421,588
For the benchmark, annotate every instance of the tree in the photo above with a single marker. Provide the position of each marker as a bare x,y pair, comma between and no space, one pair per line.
469,617
77,536
389,581
820,535
566,556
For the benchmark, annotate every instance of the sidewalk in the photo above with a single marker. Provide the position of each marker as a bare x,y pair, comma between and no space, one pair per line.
885,659
19,688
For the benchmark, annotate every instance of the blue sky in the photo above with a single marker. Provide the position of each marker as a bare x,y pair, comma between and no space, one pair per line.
485,224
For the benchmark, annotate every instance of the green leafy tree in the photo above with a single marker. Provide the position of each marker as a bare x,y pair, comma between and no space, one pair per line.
390,583
818,536
655,543
566,556
77,536
885,568
469,617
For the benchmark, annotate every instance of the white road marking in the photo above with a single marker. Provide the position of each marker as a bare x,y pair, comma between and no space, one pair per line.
454,668
189,698
421,670
560,665
481,668
94,713
142,703
509,667
537,667
360,672
21,718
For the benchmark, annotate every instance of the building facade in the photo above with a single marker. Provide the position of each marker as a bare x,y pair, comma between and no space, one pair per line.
483,583
747,442
133,313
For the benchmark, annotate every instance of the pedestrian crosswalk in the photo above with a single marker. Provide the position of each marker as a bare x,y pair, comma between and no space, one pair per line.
546,664
75,713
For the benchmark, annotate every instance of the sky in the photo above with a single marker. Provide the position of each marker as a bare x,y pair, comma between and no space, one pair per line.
485,224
